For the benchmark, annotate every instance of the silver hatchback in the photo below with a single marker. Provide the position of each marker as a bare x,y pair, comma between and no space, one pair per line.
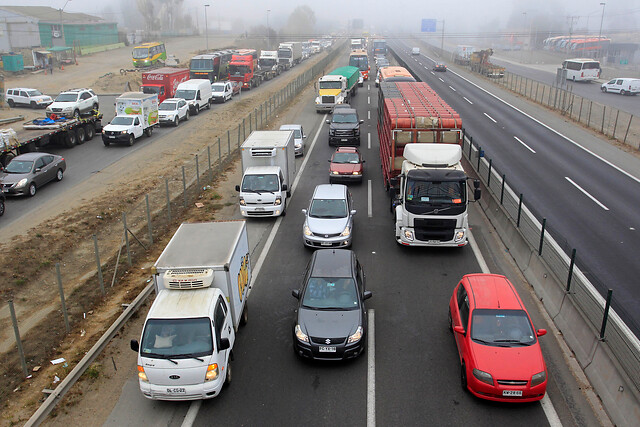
329,220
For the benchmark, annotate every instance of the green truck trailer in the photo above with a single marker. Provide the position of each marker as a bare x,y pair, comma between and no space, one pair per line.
337,87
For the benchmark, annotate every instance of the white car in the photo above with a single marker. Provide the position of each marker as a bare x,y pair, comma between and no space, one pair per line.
415,51
172,110
623,86
221,91
73,103
298,138
30,97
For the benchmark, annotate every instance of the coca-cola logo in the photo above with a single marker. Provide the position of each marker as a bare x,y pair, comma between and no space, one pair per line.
155,77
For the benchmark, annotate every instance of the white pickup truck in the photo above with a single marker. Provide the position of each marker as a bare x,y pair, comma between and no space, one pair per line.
136,114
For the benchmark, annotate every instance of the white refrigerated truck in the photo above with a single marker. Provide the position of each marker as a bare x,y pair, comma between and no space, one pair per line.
202,283
269,168
136,114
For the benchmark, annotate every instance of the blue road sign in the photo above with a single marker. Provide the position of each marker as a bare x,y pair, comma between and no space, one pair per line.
428,26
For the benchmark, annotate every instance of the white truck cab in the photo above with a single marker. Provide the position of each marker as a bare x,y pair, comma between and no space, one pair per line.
202,282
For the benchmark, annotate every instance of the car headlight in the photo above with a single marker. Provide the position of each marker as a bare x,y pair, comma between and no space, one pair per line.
306,230
278,201
357,132
124,132
67,109
356,336
242,202
21,183
298,145
538,378
356,173
142,375
335,173
408,234
459,236
212,372
346,232
483,376
301,335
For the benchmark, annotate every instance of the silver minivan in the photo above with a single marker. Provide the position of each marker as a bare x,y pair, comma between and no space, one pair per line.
623,86
328,221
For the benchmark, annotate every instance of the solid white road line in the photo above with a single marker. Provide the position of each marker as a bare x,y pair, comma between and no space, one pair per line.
607,162
192,413
465,98
371,369
369,200
520,141
368,114
490,118
452,88
369,141
550,412
587,194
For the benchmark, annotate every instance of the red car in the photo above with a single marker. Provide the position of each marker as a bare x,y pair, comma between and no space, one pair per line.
346,164
499,351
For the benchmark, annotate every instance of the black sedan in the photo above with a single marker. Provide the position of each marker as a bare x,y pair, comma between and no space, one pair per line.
440,67
331,322
27,172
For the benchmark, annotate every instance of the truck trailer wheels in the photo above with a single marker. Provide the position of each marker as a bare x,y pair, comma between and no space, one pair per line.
81,135
89,131
148,131
70,139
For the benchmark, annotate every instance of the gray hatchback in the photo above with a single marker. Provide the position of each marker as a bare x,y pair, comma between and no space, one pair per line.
27,172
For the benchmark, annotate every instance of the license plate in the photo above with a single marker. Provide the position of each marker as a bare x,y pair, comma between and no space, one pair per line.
512,392
344,140
325,243
327,349
176,390
433,242
259,209
112,137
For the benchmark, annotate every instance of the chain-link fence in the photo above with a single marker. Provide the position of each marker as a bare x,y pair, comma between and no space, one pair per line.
121,243
585,293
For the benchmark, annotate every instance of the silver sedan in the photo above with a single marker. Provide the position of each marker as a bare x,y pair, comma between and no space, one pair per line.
27,172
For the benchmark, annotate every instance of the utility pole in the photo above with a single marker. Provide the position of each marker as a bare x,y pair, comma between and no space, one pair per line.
600,32
268,32
442,41
206,26
571,19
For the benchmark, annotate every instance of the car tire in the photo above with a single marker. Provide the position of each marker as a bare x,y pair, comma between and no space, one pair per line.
70,139
89,131
449,320
11,103
245,315
32,189
106,143
228,377
623,92
186,116
196,110
94,107
176,121
76,114
148,131
6,158
59,175
33,105
1,207
603,89
81,135
208,105
131,140
463,377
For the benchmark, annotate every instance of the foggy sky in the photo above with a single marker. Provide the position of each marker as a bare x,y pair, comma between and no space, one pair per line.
460,17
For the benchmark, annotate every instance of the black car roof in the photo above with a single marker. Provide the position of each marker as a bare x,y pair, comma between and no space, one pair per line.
332,263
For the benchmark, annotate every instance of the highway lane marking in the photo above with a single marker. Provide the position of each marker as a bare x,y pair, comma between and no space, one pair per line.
465,98
368,87
439,78
369,141
368,100
452,88
586,194
490,118
368,114
520,141
371,370
195,405
369,200
607,162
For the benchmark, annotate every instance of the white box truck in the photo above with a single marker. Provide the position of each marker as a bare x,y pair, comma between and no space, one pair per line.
202,283
136,114
268,171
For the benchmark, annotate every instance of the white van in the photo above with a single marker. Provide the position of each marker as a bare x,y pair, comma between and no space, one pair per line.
415,51
623,86
197,93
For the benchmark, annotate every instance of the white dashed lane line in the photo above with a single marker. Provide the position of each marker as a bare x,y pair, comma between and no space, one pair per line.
527,147
586,194
490,118
465,98
452,88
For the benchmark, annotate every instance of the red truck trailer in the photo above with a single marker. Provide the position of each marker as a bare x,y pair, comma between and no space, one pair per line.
244,69
163,81
410,112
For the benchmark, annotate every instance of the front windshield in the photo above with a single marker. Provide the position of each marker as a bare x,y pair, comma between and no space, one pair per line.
123,121
34,92
434,192
331,85
239,70
502,328
297,134
177,338
19,166
344,118
140,53
217,88
67,97
201,64
328,208
267,62
260,183
330,293
284,53
185,94
346,158
167,106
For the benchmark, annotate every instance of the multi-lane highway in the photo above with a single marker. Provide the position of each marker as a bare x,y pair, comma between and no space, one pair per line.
409,374
589,201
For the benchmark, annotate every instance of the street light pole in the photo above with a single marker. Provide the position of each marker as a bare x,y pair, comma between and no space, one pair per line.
442,41
62,28
268,32
600,32
206,26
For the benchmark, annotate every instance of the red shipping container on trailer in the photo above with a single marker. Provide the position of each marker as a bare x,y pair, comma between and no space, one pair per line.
410,112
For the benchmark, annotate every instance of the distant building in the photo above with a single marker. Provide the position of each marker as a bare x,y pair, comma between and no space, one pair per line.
31,26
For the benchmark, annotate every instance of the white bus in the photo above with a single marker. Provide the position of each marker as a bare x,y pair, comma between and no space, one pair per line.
582,69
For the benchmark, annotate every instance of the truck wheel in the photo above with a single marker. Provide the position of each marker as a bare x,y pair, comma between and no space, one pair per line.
148,131
196,111
227,378
81,135
209,105
623,92
245,316
32,190
6,158
89,131
70,139
11,103
106,143
1,207
59,175
131,140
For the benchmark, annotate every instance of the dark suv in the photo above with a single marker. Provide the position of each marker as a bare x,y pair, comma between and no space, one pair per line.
344,127
331,320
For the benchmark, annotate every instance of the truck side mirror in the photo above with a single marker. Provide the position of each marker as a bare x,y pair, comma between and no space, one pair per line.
284,187
459,329
361,121
367,295
477,193
237,188
352,212
134,345
224,344
327,121
476,183
304,211
295,293
304,136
